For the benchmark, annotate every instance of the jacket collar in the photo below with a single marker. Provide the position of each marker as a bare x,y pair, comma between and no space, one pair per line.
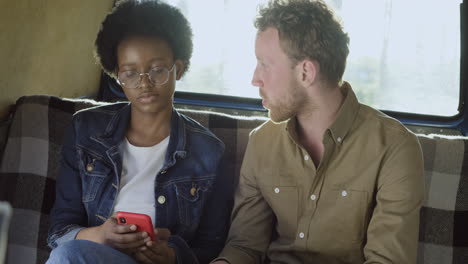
117,126
177,141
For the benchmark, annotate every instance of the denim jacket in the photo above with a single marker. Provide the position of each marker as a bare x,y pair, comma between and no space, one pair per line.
89,180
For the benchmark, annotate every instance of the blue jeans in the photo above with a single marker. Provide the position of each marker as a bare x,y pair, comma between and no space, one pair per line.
84,251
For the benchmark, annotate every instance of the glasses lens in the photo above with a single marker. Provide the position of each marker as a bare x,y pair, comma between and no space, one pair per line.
159,76
129,79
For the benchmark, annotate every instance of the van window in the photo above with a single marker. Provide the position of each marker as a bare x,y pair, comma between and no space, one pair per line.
404,55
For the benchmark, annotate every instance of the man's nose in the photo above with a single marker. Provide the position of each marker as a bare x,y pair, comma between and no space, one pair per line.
256,81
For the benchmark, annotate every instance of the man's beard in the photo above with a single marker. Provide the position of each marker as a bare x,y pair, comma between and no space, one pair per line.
289,105
280,113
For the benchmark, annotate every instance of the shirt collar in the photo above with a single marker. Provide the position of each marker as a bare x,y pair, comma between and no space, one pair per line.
291,128
344,120
346,115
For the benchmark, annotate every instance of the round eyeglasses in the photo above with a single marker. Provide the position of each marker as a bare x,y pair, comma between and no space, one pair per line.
156,76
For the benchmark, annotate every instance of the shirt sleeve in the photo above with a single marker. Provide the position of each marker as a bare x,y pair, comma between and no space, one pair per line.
252,217
392,234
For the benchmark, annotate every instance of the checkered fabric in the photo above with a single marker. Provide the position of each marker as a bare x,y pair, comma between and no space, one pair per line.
29,168
32,153
28,171
443,231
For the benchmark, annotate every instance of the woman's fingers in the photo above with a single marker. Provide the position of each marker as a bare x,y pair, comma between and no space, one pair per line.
130,240
162,233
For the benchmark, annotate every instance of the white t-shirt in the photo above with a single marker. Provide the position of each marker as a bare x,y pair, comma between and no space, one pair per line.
140,165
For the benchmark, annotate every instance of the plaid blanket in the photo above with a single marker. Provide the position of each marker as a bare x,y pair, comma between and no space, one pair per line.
30,166
443,231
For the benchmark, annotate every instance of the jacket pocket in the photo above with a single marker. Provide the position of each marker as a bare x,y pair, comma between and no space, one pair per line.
93,173
191,198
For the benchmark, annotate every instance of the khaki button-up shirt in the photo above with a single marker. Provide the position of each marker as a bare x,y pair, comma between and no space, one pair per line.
360,205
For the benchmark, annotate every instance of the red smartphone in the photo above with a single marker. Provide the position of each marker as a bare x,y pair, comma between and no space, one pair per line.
142,221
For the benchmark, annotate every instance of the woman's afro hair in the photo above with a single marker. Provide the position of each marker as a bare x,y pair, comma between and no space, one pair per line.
144,18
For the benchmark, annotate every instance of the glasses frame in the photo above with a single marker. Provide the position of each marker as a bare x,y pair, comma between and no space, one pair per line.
149,77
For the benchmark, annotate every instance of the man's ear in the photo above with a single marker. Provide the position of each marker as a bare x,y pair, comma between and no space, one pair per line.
308,71
180,69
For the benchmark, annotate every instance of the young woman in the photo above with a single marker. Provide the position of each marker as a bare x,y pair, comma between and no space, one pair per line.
142,156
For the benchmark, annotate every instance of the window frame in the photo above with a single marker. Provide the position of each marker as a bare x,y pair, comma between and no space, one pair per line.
458,122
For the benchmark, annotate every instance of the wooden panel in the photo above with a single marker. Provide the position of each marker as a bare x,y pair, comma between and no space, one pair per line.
46,47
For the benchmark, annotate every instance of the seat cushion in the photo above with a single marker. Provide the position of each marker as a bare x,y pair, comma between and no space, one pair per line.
30,165
443,235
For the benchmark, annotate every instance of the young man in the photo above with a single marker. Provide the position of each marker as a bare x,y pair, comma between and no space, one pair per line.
327,180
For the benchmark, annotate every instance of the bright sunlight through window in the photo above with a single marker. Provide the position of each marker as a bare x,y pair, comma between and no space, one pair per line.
404,55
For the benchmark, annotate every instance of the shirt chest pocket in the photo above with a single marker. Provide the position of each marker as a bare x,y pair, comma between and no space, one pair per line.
341,215
191,198
93,172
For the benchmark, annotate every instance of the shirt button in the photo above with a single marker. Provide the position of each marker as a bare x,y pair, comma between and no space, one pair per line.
306,157
339,139
344,193
161,199
90,167
277,190
301,235
162,172
313,197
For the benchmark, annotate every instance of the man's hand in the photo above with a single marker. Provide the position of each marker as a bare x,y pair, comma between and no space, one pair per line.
157,251
121,237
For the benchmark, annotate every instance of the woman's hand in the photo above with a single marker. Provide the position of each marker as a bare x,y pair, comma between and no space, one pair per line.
157,252
122,237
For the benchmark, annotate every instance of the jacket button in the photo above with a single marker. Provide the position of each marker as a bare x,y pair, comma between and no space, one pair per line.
193,191
161,199
163,171
90,167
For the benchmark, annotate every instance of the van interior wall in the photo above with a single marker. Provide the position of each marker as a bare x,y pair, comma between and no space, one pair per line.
46,47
